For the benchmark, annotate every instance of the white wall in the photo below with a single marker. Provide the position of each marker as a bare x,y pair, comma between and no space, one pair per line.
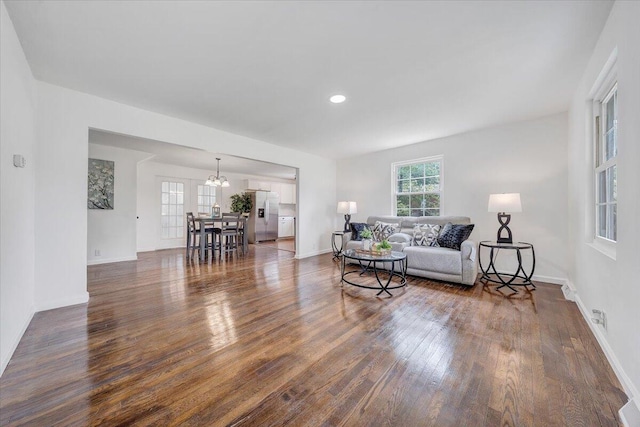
527,158
113,232
17,136
600,282
64,119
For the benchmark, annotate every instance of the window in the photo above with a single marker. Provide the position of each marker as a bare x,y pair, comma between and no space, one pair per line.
206,198
606,173
172,204
418,187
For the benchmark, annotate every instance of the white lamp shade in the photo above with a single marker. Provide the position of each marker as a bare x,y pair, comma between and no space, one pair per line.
505,202
347,208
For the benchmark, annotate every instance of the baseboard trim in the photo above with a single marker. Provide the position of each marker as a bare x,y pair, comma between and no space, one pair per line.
110,260
549,279
145,249
14,345
569,291
310,254
630,412
63,302
538,278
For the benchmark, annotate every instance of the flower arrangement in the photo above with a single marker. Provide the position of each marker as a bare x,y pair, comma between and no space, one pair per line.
381,248
384,245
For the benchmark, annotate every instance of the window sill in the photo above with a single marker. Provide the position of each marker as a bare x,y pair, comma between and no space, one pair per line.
605,249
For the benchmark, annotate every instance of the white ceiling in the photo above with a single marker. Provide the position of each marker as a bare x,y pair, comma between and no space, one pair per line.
163,152
411,71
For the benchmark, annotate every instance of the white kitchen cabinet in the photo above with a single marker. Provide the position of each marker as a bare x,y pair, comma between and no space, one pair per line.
286,226
253,184
288,194
276,187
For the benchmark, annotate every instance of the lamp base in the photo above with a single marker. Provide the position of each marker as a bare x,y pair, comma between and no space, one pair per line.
504,219
347,219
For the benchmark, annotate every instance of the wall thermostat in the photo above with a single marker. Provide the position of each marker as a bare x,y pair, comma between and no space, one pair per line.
19,161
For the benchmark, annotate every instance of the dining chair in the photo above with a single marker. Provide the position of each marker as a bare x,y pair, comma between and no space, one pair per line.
193,236
229,235
241,229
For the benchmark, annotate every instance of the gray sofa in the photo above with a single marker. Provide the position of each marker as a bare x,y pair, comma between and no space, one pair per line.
428,261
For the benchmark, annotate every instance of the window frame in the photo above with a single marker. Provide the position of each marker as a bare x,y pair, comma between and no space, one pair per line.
210,196
394,181
602,164
604,86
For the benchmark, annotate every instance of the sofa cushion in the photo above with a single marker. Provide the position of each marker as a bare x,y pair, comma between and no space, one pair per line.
400,238
436,259
353,244
382,230
356,229
452,235
425,234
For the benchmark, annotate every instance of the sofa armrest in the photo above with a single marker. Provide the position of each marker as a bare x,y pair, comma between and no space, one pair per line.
346,237
468,253
468,250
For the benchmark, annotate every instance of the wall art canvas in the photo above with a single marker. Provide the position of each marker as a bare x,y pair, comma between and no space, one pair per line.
101,175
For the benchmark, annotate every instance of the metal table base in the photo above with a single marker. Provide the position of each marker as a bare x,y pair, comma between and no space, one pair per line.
372,266
491,274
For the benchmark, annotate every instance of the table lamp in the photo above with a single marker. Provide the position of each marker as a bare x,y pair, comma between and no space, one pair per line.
503,203
347,208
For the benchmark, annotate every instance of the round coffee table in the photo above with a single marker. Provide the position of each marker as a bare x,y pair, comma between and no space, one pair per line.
372,261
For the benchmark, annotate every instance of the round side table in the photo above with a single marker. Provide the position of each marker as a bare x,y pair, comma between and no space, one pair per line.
519,278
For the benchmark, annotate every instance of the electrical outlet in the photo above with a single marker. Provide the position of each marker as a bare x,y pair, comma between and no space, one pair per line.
96,252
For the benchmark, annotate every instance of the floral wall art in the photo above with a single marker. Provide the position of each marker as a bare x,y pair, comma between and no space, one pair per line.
101,173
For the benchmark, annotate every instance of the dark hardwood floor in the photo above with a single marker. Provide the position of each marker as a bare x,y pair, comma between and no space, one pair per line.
268,340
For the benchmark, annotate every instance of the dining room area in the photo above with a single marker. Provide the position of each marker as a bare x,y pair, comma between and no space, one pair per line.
148,195
218,236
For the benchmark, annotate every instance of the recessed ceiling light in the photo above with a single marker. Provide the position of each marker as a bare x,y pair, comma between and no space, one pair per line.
338,99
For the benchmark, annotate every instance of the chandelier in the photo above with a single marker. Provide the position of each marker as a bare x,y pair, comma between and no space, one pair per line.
217,180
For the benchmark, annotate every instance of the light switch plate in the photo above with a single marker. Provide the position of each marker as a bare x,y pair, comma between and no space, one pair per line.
19,161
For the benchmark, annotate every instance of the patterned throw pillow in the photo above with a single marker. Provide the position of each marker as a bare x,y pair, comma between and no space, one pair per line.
356,229
382,230
452,235
425,234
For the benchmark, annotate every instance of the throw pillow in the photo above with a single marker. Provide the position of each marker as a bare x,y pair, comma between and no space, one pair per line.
356,229
426,234
382,230
452,235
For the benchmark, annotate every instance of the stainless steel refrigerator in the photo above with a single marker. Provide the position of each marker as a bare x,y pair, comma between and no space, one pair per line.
263,221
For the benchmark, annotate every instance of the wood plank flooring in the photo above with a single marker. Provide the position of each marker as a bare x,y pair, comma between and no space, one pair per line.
267,340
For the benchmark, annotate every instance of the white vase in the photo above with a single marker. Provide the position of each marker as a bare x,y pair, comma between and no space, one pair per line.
366,244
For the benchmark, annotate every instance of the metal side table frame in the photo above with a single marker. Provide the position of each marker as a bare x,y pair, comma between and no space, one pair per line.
337,251
490,274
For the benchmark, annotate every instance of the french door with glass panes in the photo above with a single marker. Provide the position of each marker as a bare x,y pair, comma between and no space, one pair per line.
204,197
174,199
177,197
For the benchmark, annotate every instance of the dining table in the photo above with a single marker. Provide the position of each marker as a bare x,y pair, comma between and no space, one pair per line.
209,222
